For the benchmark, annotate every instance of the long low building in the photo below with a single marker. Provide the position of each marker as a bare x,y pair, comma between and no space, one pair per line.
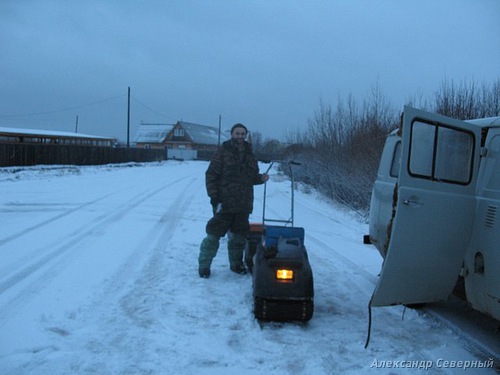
53,137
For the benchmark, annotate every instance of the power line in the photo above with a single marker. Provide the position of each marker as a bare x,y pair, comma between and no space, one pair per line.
92,104
149,108
163,114
63,109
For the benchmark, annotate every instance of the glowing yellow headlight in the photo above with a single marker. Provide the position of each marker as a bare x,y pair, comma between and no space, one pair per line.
286,275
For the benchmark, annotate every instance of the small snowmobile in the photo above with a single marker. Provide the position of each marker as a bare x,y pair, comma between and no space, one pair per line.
281,273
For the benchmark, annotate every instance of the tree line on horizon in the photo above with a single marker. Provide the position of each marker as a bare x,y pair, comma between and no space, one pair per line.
340,148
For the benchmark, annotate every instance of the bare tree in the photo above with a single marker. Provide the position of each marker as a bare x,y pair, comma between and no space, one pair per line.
343,147
340,150
467,100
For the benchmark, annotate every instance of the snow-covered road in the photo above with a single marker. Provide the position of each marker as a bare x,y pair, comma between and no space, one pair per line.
98,275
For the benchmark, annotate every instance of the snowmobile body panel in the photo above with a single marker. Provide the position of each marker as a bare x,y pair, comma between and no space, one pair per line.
276,296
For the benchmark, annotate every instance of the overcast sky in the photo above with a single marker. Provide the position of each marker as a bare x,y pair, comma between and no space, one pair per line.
266,64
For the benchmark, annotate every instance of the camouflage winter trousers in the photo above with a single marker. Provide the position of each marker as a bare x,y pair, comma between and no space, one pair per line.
223,222
237,227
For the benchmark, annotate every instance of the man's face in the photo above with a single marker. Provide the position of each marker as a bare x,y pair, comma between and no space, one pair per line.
239,135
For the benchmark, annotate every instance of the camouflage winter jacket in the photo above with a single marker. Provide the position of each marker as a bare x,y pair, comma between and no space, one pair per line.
230,178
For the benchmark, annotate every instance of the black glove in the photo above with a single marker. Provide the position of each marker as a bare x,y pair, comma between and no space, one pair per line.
214,201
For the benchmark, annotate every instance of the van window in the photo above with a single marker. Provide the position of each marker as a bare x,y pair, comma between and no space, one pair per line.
396,161
440,153
493,177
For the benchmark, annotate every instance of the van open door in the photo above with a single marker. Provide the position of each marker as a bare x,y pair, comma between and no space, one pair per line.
434,209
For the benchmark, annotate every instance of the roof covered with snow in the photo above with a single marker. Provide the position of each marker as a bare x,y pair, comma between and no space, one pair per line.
199,134
152,133
46,133
202,134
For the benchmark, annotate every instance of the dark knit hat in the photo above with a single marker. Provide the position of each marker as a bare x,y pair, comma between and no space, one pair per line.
238,125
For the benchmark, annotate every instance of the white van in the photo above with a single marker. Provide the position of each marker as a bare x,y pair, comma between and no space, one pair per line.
433,213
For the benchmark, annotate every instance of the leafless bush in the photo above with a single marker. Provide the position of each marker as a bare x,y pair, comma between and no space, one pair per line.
340,150
468,100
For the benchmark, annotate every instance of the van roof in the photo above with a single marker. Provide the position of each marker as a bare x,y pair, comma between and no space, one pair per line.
487,121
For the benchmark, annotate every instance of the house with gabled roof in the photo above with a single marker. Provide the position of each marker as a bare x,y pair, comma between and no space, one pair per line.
183,140
151,135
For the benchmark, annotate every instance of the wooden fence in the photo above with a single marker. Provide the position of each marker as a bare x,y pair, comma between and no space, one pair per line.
29,154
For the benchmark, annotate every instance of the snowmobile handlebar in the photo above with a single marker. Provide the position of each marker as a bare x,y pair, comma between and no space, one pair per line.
271,163
267,161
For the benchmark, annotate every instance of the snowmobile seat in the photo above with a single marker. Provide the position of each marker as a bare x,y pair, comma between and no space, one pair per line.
273,233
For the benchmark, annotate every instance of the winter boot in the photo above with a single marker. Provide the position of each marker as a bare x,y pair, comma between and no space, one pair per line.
236,246
204,272
208,250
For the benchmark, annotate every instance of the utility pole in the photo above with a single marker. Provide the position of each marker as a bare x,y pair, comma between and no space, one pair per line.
218,140
128,119
76,125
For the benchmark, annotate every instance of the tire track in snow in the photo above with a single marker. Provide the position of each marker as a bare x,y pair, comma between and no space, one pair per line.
152,273
52,260
155,240
26,231
127,308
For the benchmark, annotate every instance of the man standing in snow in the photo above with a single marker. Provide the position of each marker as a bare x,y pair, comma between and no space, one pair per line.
230,178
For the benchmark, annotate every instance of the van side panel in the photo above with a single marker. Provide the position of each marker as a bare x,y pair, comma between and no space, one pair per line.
482,261
434,210
381,206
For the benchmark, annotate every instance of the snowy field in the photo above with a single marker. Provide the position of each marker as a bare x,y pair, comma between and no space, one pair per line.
98,275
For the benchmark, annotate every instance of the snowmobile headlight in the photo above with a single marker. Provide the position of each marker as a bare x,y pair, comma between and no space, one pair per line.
284,275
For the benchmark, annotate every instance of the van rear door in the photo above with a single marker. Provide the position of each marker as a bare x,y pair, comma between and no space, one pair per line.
434,209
